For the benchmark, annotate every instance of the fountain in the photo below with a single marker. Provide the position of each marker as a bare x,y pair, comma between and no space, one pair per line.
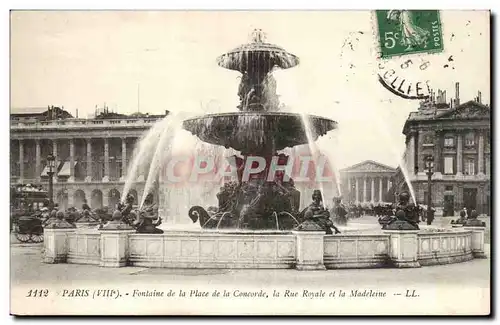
257,222
263,200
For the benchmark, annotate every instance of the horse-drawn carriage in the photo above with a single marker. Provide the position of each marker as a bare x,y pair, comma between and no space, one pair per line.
30,229
28,212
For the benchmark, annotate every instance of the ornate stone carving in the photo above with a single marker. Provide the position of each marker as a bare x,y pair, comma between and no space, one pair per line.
369,166
466,111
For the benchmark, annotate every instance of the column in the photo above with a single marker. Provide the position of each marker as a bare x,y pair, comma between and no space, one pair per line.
380,189
349,187
364,189
459,155
89,160
373,190
437,154
411,154
38,162
124,158
21,161
106,160
56,160
388,184
357,189
71,160
480,159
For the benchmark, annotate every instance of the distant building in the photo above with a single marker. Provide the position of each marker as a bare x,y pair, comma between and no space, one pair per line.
92,155
26,114
458,136
367,181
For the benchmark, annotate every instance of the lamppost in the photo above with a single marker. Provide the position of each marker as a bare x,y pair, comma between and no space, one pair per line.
429,170
353,192
51,161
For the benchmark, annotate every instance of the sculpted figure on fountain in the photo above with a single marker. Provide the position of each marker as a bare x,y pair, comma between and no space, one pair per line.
148,218
127,209
407,215
315,217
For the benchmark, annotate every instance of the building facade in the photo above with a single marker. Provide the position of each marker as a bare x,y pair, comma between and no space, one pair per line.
457,136
92,155
367,182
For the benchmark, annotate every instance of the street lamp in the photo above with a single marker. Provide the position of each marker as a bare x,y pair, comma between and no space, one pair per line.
429,170
51,163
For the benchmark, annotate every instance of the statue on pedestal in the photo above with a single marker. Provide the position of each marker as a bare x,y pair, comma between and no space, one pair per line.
126,210
461,220
315,217
473,222
407,216
148,218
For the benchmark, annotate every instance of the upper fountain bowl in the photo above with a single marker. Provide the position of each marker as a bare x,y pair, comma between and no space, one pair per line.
255,133
257,56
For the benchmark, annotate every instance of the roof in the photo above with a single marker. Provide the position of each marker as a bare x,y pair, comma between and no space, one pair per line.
368,166
28,110
465,111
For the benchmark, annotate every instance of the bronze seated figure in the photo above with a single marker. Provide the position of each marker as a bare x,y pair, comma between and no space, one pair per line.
315,217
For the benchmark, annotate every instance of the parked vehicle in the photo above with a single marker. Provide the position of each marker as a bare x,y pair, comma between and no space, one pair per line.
29,209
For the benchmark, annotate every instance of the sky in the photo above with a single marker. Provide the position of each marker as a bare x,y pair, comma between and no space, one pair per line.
86,58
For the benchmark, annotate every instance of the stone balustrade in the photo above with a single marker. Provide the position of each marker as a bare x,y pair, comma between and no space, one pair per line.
300,250
82,124
356,251
444,247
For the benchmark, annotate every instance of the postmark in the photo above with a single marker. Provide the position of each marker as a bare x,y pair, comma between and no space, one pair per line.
403,32
406,77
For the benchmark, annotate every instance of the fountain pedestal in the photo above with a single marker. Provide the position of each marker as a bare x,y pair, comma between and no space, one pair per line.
310,250
477,241
56,244
403,248
114,247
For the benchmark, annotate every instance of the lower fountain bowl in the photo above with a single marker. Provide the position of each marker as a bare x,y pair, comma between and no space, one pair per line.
257,132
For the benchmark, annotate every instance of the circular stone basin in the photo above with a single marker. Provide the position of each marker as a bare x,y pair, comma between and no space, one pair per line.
257,132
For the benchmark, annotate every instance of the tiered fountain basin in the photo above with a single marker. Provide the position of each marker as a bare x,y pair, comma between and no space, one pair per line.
225,249
258,132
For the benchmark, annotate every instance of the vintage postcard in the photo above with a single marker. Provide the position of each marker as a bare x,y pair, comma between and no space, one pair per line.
250,162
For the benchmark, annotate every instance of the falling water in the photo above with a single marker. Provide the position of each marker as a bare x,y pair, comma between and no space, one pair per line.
329,147
313,149
383,128
171,126
143,153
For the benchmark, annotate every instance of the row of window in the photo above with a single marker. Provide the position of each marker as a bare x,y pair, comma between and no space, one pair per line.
469,139
469,166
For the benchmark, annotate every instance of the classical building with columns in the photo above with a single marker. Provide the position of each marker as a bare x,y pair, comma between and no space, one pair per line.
92,155
367,181
457,135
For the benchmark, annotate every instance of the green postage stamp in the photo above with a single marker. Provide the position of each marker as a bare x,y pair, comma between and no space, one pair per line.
402,32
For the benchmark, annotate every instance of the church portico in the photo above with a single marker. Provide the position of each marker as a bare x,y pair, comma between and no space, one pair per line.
368,181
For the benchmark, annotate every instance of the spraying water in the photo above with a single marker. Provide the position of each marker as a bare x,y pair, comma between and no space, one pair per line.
312,146
170,128
143,154
383,128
